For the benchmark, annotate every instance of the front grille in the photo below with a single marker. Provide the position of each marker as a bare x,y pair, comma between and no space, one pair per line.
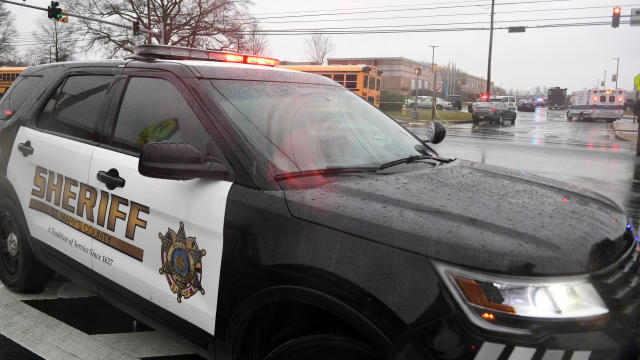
619,284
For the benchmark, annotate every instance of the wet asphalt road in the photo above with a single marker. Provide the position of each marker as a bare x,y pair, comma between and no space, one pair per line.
543,142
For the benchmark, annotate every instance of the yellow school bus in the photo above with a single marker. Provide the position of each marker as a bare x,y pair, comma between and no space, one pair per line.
364,80
7,76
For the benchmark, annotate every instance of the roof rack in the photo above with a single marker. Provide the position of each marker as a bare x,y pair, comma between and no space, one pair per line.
185,53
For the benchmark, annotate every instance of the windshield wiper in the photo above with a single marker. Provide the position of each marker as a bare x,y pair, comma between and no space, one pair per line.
412,158
330,170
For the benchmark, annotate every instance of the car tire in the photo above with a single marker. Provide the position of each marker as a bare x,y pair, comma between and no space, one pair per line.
569,117
501,120
321,347
439,107
20,271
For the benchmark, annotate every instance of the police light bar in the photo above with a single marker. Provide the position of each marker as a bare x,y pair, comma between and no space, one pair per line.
184,53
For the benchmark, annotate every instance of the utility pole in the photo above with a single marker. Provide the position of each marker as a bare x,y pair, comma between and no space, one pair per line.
493,3
604,82
149,20
617,68
433,70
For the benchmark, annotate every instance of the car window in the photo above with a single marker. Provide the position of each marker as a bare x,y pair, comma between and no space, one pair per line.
311,127
76,107
161,115
16,96
351,81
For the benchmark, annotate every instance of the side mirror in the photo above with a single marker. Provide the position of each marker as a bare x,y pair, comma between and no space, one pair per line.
178,161
435,132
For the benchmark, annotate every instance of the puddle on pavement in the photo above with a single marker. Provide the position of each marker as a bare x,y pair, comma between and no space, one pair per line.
9,350
91,315
175,357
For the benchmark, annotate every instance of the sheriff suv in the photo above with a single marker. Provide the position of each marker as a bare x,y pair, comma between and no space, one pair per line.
273,214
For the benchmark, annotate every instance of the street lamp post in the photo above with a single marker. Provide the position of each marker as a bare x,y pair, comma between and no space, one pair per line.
433,86
617,68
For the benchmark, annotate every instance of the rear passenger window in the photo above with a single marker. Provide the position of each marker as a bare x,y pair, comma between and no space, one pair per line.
603,99
339,78
161,115
378,84
76,108
352,81
372,83
612,98
16,96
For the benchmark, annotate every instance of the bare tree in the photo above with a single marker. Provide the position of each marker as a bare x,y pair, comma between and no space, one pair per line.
56,41
319,47
7,33
256,43
212,24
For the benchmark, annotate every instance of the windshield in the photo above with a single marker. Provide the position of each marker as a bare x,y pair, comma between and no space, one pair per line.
311,127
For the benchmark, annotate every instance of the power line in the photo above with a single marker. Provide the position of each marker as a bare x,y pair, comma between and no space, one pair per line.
430,30
443,15
459,3
409,9
433,24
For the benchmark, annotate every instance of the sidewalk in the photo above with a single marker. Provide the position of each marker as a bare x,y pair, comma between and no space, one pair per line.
624,130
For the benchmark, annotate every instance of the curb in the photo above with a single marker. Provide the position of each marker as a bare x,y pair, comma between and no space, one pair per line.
622,134
448,122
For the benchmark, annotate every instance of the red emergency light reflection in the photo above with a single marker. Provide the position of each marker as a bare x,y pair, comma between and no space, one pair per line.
8,112
565,199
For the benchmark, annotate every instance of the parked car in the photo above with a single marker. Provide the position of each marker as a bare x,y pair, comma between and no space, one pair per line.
425,102
456,101
494,112
526,105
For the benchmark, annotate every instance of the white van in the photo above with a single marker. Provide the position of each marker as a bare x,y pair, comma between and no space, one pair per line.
509,100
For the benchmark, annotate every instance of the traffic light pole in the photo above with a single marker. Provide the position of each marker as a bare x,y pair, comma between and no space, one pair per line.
83,17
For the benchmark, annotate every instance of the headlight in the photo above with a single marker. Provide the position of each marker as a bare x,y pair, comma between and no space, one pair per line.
497,302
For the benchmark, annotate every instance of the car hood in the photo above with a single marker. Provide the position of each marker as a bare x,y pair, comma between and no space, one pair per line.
470,214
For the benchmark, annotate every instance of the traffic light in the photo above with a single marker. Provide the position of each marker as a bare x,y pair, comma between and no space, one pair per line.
136,28
54,11
417,71
615,20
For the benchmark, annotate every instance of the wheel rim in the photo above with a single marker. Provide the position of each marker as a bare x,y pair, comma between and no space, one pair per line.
9,244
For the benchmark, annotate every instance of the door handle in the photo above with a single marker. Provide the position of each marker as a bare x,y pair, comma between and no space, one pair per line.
111,178
25,148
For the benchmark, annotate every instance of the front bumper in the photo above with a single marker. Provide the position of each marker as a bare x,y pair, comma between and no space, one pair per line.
455,338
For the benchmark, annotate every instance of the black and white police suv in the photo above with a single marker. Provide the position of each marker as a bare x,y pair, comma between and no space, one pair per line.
273,214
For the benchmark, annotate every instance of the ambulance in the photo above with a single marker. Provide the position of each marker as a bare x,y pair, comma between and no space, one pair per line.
596,104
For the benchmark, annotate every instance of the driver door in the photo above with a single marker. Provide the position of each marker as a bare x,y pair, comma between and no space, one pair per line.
166,235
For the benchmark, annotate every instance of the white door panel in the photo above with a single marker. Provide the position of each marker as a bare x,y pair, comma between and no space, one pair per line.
47,184
150,207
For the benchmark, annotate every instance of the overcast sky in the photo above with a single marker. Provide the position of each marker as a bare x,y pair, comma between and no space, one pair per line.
572,57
